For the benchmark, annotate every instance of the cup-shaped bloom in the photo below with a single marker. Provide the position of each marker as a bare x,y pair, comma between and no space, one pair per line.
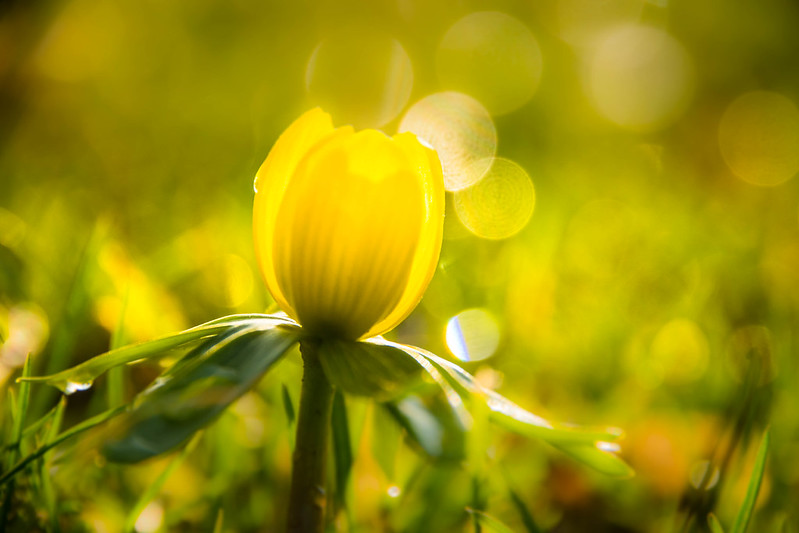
347,225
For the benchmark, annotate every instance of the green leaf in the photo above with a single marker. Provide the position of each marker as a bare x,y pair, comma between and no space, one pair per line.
487,523
591,446
192,394
366,369
714,524
453,398
745,513
435,430
82,376
342,447
601,456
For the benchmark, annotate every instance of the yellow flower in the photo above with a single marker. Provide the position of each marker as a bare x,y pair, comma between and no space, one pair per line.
347,225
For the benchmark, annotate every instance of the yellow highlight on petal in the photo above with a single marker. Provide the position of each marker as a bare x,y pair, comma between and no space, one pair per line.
347,225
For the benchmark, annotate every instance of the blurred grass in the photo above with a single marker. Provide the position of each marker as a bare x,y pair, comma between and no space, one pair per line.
647,278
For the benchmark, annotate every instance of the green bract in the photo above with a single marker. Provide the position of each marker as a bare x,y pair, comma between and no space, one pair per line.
228,356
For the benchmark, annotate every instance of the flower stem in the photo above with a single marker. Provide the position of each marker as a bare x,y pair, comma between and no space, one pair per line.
308,499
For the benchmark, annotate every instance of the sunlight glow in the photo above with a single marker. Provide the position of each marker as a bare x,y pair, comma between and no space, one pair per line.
150,518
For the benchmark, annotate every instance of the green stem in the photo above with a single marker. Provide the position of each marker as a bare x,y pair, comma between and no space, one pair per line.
308,498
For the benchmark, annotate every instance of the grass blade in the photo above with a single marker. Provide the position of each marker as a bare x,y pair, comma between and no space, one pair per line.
62,437
116,379
342,447
745,514
155,487
291,417
20,411
46,482
22,404
714,524
436,429
220,521
486,523
32,428
288,406
521,508
386,438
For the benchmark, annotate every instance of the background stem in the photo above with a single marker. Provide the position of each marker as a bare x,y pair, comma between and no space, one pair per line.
308,497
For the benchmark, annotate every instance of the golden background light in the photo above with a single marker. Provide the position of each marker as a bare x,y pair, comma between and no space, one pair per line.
659,263
461,131
679,352
361,77
640,77
759,138
82,43
493,57
239,281
500,204
581,22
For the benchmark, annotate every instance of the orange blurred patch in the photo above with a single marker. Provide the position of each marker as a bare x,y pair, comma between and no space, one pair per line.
663,448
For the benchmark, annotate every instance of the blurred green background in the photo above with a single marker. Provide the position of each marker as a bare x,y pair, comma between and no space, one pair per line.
659,267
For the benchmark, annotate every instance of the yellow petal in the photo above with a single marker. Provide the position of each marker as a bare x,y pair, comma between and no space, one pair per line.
270,185
352,221
427,170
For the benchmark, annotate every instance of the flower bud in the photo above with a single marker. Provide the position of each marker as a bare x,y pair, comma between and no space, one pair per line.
347,226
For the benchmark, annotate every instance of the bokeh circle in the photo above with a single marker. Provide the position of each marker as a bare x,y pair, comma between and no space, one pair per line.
640,77
493,57
361,77
759,138
499,205
461,131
